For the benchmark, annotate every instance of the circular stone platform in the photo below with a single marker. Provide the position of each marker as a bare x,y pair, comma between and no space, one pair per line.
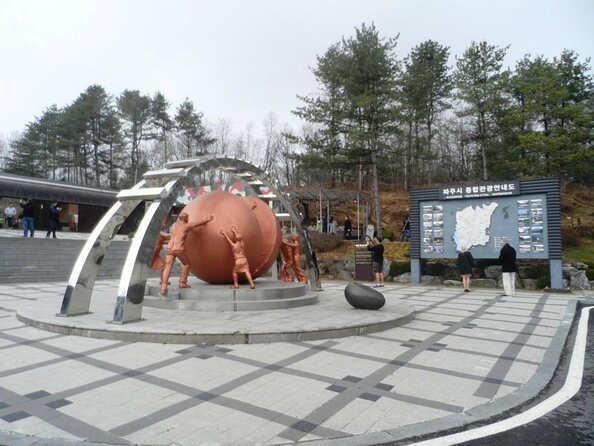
331,317
269,295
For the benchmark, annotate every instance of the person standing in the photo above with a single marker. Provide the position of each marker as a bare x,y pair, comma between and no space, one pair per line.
507,260
465,262
332,225
10,212
406,230
28,217
377,261
348,228
54,218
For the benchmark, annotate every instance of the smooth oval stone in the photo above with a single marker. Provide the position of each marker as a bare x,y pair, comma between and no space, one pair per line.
363,297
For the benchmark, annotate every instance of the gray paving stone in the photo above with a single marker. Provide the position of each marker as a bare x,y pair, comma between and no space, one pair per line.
461,354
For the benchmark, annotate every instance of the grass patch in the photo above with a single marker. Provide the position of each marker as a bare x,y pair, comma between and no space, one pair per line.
584,252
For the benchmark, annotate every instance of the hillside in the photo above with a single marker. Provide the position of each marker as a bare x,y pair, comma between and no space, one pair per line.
577,212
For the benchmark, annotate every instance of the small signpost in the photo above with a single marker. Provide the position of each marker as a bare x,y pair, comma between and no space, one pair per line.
363,263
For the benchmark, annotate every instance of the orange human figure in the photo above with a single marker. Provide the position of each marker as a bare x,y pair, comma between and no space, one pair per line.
176,249
157,262
296,254
241,264
287,255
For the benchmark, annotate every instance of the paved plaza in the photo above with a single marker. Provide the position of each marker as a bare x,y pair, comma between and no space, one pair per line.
464,357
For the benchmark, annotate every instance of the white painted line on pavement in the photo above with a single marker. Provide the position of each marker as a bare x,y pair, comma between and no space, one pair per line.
572,385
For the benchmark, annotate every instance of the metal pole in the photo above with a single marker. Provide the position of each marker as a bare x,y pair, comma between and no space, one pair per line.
321,221
358,229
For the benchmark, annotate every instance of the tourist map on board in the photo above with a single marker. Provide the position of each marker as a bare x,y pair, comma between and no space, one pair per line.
472,226
481,224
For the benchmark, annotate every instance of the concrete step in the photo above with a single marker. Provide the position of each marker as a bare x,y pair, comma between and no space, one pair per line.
269,294
36,259
230,306
266,289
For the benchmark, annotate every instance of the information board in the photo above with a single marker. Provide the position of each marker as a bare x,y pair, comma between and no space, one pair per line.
480,225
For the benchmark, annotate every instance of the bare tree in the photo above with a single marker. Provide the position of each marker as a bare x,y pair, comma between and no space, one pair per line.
223,133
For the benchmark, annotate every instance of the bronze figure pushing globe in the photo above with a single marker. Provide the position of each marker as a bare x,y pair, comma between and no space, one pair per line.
209,253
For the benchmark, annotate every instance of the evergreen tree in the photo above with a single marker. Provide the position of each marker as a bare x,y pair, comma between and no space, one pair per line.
135,111
35,151
161,121
358,77
95,110
328,110
550,123
480,86
193,133
115,147
425,86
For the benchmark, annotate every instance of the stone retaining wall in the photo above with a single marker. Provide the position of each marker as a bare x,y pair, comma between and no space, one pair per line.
574,276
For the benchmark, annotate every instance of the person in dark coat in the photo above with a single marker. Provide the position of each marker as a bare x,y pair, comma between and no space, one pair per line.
54,219
507,260
348,228
377,261
465,262
27,217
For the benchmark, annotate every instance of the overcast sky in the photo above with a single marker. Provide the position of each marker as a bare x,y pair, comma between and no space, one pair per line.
241,59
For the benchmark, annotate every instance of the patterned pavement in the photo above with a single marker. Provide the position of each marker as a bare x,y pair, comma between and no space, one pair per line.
465,357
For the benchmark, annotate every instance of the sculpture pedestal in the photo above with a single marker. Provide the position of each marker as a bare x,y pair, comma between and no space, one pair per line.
269,295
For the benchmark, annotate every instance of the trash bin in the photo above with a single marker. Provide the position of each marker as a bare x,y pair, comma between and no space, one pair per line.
363,263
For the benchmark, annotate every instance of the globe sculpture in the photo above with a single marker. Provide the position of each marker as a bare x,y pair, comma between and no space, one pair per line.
208,252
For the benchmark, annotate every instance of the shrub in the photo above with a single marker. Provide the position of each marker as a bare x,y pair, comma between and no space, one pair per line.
483,263
387,234
542,282
397,251
433,268
586,231
325,242
570,237
590,272
399,267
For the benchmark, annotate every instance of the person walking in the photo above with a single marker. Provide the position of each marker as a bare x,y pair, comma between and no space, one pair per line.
54,218
10,212
28,217
507,260
377,261
465,262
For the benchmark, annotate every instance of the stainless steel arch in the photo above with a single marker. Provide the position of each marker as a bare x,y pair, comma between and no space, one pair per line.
161,188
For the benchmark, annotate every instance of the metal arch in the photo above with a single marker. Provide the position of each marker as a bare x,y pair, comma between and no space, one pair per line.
77,296
132,286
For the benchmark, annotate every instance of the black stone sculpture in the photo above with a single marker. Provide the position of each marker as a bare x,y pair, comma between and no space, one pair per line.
363,297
